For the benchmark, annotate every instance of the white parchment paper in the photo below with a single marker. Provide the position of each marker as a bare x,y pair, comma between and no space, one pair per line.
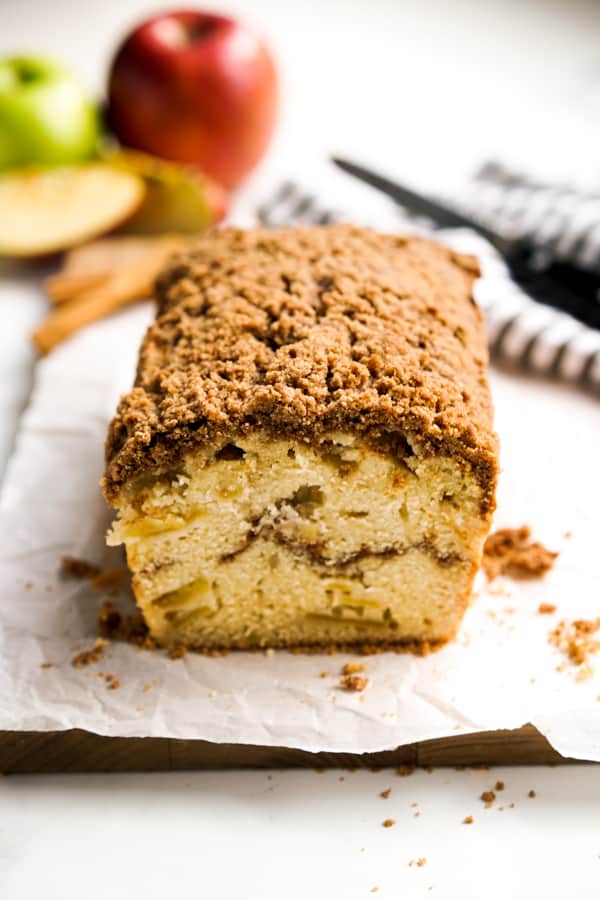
500,672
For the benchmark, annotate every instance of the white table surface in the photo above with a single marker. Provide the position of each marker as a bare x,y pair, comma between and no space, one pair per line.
427,90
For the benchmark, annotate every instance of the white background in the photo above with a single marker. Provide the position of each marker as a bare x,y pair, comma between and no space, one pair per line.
425,90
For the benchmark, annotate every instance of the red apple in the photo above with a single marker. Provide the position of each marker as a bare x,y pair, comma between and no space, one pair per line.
197,88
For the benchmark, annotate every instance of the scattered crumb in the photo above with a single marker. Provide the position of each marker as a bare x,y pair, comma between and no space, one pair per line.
129,628
341,778
110,579
353,682
148,687
112,682
488,798
575,639
510,551
325,674
352,668
499,786
546,609
46,665
421,861
89,657
177,651
511,805
531,794
416,814
385,794
468,820
414,804
389,823
406,769
71,567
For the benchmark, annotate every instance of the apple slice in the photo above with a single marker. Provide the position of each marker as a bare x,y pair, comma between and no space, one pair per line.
179,199
46,210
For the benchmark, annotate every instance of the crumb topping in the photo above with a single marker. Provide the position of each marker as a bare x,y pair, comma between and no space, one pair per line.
353,682
510,551
576,639
305,331
72,567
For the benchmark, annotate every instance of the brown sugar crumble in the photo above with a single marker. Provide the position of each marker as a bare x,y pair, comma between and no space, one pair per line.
576,640
325,674
468,820
110,579
546,609
90,657
385,794
510,551
531,794
351,668
353,682
499,786
72,567
388,823
47,665
488,798
112,682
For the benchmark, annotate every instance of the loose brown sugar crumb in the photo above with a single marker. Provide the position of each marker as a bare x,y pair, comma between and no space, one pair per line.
510,551
90,657
546,609
351,668
468,820
488,798
421,861
112,682
110,579
576,639
353,682
499,786
531,794
406,769
325,674
385,794
46,665
130,627
389,823
72,567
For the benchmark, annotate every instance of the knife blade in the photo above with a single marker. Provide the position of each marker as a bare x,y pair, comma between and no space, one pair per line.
555,283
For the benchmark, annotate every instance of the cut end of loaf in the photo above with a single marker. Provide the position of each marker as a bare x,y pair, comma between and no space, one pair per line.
276,543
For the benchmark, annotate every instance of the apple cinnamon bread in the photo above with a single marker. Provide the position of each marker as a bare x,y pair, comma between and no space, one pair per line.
307,456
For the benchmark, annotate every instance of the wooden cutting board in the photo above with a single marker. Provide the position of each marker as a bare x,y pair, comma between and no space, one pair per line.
81,751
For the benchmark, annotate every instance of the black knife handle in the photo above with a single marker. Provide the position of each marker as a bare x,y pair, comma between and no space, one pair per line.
558,284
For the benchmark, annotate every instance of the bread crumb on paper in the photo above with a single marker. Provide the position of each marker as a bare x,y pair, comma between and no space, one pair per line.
353,682
546,609
512,552
388,823
488,798
576,640
72,567
352,668
385,794
90,657
47,665
468,820
531,793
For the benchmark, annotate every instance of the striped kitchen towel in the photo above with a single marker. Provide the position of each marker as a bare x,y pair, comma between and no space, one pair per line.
565,223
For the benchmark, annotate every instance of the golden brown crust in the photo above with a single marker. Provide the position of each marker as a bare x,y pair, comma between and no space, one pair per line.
305,331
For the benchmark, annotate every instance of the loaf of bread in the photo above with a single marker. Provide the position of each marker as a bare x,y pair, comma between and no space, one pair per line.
307,457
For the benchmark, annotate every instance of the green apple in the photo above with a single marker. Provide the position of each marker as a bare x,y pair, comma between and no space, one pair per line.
45,115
